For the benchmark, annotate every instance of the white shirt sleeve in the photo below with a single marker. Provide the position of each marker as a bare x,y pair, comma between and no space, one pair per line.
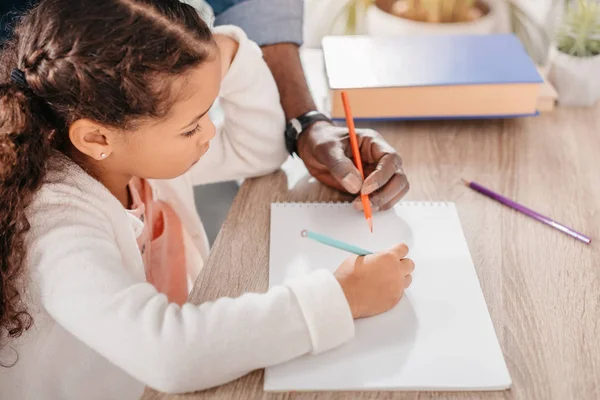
86,288
250,133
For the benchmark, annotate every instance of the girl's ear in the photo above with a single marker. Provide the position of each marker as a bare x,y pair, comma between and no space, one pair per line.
91,138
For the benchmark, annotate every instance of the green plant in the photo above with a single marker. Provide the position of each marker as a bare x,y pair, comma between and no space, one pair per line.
579,33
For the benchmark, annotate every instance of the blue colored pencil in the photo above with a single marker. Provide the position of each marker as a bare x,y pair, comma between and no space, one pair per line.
326,240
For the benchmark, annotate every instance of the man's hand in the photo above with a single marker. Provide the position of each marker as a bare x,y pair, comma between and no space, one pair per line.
326,152
325,148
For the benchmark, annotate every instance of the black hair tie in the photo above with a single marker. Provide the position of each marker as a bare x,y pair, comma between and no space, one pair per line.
18,77
39,104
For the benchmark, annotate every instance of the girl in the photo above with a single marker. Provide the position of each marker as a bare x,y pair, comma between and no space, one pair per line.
104,128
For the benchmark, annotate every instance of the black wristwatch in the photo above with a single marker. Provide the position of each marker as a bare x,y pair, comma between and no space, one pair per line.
298,125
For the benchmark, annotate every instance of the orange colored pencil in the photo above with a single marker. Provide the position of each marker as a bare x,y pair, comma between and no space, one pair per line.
356,154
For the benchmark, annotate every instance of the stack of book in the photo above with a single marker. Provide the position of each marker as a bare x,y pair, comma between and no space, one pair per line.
429,77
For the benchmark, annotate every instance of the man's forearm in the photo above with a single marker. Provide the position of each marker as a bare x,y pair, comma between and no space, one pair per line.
284,62
276,26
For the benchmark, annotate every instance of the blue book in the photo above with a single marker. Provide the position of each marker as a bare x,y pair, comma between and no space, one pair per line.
430,77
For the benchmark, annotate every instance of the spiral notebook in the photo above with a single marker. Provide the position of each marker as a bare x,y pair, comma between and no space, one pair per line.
439,337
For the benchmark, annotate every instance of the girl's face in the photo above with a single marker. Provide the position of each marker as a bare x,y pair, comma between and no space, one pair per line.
169,147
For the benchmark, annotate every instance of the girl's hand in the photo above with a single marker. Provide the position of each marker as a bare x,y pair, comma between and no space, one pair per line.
375,283
228,48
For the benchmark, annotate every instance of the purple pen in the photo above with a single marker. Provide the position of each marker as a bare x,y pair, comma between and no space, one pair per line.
527,211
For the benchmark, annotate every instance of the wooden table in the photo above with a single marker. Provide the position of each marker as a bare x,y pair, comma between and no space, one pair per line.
541,286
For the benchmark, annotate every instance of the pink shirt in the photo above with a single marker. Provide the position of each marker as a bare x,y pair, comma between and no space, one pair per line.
161,242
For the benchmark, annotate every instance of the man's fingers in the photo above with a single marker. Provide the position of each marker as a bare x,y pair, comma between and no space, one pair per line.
387,197
392,193
387,167
342,168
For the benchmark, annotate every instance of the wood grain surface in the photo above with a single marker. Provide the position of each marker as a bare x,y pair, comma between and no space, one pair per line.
542,287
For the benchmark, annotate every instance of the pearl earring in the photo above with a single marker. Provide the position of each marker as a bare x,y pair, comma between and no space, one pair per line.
103,155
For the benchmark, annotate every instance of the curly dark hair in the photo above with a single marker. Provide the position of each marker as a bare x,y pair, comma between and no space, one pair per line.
109,61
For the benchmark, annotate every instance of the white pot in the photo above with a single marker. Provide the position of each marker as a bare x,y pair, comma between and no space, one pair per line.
380,23
574,78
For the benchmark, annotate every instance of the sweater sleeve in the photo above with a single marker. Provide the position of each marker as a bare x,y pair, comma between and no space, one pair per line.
248,117
88,290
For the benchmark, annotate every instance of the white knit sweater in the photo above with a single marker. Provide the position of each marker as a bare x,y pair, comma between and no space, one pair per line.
102,332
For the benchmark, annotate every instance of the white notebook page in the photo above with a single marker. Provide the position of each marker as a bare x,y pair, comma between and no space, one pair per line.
439,337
